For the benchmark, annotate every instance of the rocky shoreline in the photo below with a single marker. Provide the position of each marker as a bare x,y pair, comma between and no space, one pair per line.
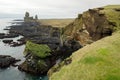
9,35
6,61
19,42
45,37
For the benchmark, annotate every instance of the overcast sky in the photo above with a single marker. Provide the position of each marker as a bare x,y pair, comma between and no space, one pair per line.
50,8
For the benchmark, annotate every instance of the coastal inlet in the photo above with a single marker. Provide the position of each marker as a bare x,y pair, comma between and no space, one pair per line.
12,73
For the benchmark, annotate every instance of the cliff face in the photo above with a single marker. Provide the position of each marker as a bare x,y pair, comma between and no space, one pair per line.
93,24
96,24
90,26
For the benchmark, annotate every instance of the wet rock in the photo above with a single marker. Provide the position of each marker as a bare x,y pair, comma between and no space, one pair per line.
11,35
36,32
37,67
15,44
15,65
7,41
2,35
22,40
6,61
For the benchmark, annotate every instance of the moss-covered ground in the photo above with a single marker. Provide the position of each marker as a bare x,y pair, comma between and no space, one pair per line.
39,50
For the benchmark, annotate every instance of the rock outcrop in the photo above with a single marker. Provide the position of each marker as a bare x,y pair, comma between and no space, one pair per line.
44,37
92,25
9,35
29,18
38,59
6,61
97,24
42,34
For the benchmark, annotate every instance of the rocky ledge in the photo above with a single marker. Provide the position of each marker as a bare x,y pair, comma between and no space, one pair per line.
6,61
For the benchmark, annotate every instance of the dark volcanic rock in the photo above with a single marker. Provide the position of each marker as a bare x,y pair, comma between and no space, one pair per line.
7,41
10,35
21,40
35,65
15,44
6,61
35,32
32,69
2,35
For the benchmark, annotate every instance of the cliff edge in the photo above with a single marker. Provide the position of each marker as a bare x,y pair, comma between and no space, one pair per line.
96,61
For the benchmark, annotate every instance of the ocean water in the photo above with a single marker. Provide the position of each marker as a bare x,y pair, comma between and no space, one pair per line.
12,73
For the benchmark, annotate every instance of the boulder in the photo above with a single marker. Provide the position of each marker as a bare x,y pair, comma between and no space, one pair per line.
7,41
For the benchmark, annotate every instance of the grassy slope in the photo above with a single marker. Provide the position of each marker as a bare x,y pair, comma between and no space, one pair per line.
98,61
38,50
56,22
112,15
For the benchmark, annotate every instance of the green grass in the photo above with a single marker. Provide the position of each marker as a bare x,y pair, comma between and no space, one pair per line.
98,61
112,15
103,51
92,60
39,50
113,77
